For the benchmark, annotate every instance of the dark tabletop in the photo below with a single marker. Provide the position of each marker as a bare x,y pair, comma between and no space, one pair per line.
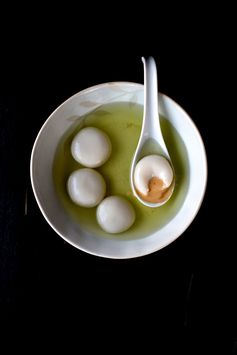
185,290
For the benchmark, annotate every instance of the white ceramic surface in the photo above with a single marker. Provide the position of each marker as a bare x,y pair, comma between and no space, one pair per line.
42,181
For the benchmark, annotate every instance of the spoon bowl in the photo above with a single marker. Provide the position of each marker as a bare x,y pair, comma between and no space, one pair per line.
151,140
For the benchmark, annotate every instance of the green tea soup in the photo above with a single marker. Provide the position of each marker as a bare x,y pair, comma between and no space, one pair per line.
122,123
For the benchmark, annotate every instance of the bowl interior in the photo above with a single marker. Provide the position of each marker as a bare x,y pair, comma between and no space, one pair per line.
43,154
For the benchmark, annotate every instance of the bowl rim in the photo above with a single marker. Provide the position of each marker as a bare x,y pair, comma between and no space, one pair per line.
151,250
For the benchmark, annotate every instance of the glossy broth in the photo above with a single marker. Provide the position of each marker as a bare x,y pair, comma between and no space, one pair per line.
122,122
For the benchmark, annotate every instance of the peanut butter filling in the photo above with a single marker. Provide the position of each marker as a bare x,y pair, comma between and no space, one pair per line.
157,192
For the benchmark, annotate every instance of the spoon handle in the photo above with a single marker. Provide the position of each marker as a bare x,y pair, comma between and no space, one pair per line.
151,121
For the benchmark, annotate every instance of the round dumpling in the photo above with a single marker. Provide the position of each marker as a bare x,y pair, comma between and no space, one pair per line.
91,147
86,187
115,214
153,178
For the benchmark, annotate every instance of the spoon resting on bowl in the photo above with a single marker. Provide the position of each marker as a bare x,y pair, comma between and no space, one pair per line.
152,175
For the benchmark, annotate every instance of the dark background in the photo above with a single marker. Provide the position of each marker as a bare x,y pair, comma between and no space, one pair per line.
181,298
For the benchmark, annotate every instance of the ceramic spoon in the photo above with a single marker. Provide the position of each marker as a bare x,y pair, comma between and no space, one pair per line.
151,138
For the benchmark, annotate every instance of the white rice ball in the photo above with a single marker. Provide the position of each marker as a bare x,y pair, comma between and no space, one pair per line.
115,214
91,147
86,187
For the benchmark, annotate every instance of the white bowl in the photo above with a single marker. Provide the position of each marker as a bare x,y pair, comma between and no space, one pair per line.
42,158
